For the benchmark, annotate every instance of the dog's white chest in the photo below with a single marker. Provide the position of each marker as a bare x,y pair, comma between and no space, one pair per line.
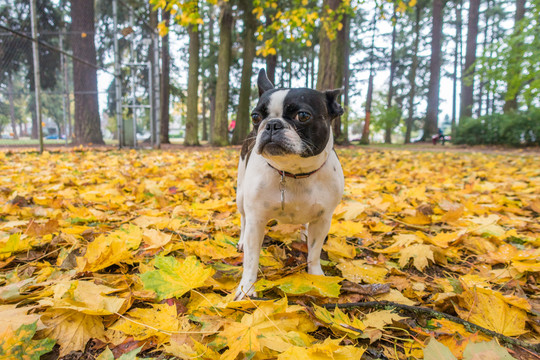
292,201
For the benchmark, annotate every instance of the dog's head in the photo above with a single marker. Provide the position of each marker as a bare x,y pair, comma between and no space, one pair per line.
293,121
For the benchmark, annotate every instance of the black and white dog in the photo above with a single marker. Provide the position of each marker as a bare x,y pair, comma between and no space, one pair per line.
288,171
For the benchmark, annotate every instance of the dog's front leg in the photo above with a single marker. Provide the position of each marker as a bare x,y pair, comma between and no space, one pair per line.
252,237
317,232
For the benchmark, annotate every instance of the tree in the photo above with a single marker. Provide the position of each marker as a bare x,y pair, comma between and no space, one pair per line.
412,74
467,76
432,114
514,64
389,127
457,64
219,135
87,127
192,121
243,119
369,97
331,56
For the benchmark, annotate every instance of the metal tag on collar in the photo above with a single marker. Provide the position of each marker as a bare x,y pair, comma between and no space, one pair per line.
282,189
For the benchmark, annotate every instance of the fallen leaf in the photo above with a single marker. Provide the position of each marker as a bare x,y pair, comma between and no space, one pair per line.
174,278
19,344
303,284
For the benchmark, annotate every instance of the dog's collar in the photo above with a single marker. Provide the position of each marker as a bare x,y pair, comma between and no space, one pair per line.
296,176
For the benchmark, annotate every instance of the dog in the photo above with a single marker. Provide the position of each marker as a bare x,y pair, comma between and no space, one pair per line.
288,171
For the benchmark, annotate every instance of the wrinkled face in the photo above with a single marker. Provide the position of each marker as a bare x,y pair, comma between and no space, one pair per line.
292,122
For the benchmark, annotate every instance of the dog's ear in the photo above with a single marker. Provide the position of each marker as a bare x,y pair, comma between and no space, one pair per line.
334,108
263,83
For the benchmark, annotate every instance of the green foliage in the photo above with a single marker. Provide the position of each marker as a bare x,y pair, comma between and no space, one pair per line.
515,129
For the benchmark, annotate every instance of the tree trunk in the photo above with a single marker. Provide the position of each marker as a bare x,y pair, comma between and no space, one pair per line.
87,127
514,63
204,118
165,89
467,76
457,65
12,107
192,119
389,126
369,97
212,75
243,119
412,75
331,63
483,81
346,78
432,113
219,135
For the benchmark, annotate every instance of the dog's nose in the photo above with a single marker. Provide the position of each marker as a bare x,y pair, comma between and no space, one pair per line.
274,125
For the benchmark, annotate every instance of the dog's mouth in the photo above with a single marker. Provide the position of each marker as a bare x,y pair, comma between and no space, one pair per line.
273,148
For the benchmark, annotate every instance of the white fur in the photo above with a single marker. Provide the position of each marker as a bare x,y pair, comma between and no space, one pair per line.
275,106
310,201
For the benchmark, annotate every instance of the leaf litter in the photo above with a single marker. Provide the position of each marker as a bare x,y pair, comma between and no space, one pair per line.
132,255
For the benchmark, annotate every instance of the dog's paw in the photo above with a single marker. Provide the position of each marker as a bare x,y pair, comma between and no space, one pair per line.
315,270
245,290
240,245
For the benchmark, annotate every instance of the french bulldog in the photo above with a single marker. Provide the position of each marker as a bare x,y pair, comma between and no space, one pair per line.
288,171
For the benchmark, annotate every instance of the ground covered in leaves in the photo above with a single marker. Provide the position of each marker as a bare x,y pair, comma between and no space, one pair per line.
132,255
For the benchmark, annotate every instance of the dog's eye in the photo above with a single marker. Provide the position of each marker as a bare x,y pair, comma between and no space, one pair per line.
256,118
303,116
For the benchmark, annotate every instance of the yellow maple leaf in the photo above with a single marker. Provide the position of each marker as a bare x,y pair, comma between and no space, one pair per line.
337,247
329,349
14,317
379,319
420,254
490,309
340,322
303,283
158,322
155,239
84,296
175,278
71,329
274,327
111,249
358,270
443,240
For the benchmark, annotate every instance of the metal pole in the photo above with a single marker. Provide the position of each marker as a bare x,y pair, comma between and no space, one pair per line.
156,90
133,93
64,102
152,105
118,76
37,82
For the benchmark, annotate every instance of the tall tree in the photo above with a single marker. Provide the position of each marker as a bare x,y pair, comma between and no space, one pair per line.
369,97
165,90
432,113
389,124
331,57
412,74
219,134
514,63
457,65
192,121
250,26
12,106
467,77
87,127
